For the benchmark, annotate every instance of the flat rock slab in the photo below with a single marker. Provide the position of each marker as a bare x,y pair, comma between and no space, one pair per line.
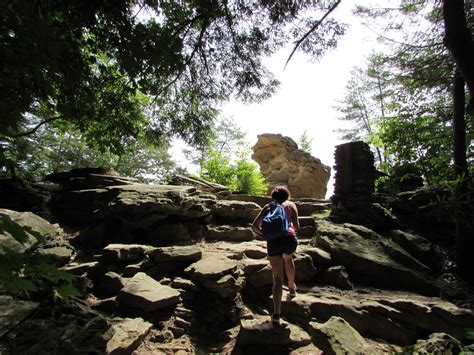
211,267
13,312
176,254
261,331
146,294
125,252
255,249
127,336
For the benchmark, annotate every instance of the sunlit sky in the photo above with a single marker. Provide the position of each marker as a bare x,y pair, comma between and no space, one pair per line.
307,94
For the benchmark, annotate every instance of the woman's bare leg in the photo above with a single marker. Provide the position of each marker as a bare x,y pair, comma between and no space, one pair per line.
290,270
276,263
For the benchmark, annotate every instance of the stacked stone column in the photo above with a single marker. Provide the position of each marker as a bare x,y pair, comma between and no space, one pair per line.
355,172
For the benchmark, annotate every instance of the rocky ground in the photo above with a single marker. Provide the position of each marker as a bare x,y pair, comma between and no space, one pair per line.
172,270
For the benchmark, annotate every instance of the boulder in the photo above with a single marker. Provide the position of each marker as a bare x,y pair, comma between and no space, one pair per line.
236,210
439,343
125,252
337,276
395,317
217,273
145,294
261,277
126,336
371,259
138,206
203,185
13,311
319,256
281,162
182,254
261,331
305,270
89,178
56,255
211,267
256,249
168,233
21,230
109,285
229,233
336,336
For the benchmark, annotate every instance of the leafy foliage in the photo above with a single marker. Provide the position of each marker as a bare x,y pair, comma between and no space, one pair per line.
305,142
225,160
26,272
401,102
119,70
51,150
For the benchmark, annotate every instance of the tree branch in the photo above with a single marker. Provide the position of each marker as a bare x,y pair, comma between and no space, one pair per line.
33,130
306,35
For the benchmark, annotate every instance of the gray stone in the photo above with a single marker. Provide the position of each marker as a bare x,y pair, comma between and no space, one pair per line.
338,276
393,317
439,343
211,267
373,260
336,336
187,254
28,229
184,284
168,233
79,269
125,252
229,233
146,294
305,270
261,331
13,311
109,285
261,277
236,210
127,336
249,266
318,255
200,184
58,256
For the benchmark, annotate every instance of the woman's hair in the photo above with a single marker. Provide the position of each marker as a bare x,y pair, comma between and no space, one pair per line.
280,193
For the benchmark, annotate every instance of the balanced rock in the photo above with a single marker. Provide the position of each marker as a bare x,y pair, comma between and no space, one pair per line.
281,162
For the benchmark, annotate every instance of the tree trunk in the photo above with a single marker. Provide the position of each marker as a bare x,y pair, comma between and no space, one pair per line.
458,39
464,231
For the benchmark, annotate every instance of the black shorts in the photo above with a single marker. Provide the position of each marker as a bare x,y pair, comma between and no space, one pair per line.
282,245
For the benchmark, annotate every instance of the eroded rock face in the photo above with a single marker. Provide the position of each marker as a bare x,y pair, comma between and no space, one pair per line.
390,316
373,260
281,162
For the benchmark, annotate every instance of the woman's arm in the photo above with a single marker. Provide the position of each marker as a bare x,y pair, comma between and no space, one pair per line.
257,222
294,216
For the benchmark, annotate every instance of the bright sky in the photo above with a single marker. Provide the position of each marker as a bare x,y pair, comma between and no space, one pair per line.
307,94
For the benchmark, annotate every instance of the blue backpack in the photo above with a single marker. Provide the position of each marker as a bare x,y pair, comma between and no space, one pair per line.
274,222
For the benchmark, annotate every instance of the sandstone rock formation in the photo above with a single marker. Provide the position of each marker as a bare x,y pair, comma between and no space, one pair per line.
281,162
172,269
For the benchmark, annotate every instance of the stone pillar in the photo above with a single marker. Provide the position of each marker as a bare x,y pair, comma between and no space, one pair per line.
355,171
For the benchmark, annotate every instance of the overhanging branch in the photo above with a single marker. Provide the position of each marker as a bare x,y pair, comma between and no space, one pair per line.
33,130
306,35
